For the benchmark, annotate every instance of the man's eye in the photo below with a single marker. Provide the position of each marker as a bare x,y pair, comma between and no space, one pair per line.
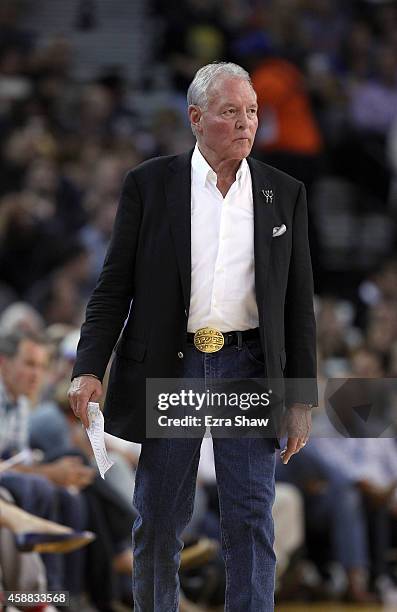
229,111
252,111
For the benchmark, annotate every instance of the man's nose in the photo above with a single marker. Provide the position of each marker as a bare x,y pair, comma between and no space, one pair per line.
242,121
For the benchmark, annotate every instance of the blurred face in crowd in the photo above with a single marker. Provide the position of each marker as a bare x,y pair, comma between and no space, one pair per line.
42,177
226,128
23,374
366,364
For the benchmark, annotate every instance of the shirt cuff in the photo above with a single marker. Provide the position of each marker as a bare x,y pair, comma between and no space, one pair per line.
93,375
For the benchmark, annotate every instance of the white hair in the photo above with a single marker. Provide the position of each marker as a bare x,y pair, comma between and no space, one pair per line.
20,316
205,77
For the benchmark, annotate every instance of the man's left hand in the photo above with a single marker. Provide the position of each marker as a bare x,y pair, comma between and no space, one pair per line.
297,426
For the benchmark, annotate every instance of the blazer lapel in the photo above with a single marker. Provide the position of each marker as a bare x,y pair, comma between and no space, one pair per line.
264,196
178,197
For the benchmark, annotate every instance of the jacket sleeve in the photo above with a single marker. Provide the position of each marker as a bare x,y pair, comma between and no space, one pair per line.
300,324
109,304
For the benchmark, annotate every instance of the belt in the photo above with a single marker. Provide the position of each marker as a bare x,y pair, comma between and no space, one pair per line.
229,338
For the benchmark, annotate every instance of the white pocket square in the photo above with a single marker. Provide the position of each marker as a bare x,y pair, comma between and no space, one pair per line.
279,231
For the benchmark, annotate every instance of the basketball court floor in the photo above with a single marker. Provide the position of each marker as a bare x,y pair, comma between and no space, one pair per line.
327,607
333,607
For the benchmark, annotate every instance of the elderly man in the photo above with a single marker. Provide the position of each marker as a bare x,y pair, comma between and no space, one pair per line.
208,274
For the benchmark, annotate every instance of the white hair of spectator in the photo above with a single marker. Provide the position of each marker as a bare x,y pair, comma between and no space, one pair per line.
205,77
21,316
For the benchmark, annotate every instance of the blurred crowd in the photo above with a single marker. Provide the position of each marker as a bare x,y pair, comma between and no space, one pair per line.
326,76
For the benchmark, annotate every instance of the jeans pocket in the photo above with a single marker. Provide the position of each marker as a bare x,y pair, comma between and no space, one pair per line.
254,351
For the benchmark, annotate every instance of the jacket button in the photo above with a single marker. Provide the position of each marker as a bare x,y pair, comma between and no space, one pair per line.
180,355
185,312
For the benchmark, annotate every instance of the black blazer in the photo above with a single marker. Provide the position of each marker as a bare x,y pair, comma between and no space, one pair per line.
145,287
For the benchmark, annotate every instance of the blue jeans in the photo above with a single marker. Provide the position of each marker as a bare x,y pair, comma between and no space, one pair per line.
164,498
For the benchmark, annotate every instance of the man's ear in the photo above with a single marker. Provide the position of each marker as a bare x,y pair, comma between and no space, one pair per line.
194,116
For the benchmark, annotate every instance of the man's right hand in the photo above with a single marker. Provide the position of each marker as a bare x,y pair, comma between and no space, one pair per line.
82,390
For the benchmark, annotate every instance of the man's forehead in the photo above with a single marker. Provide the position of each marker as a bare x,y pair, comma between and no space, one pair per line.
29,347
227,88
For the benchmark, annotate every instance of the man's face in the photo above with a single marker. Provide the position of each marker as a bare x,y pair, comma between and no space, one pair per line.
24,373
227,127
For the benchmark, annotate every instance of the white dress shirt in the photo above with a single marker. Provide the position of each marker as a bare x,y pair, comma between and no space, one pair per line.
222,251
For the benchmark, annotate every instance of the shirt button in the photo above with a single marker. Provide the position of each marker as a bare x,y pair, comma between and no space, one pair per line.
180,355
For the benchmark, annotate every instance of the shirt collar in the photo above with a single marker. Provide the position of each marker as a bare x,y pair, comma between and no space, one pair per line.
202,171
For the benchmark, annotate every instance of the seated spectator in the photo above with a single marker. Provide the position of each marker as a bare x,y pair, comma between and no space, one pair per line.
18,571
334,506
42,489
35,534
373,102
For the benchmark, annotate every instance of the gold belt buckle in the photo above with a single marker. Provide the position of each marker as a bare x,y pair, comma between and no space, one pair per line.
208,340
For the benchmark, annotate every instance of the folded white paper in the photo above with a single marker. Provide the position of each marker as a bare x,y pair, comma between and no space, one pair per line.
96,435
